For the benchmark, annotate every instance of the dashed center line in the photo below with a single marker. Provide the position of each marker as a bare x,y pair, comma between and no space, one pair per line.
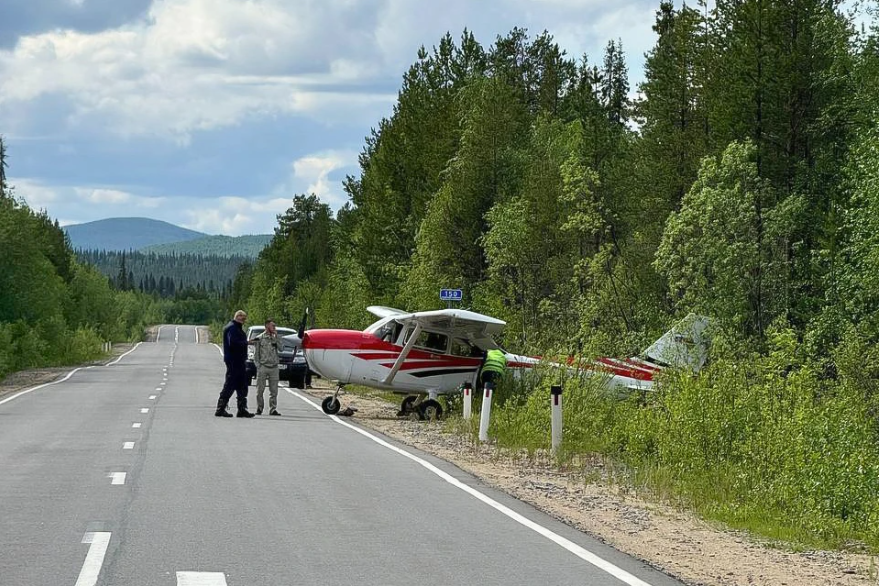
201,579
145,410
98,541
135,425
128,446
117,477
152,397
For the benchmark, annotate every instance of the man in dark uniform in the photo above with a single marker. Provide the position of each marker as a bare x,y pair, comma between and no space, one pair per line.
235,345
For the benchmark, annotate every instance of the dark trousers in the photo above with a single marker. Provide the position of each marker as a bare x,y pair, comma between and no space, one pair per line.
237,382
490,377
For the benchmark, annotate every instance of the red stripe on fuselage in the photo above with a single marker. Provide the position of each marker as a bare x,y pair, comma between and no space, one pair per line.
452,363
615,368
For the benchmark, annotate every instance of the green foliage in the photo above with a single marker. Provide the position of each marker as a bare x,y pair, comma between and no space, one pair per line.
767,444
248,246
717,251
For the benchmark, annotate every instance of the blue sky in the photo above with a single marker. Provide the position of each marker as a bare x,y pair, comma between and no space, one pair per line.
213,114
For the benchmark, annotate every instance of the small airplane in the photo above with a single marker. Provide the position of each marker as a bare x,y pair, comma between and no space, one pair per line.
430,353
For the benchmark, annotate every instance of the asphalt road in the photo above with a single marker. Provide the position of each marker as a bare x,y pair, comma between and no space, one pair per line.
122,475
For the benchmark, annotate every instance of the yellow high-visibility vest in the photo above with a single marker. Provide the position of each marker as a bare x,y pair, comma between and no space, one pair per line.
495,362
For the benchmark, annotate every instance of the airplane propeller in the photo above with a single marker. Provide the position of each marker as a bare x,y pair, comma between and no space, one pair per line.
302,324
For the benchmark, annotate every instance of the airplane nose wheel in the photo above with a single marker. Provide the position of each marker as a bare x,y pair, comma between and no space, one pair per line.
330,405
430,410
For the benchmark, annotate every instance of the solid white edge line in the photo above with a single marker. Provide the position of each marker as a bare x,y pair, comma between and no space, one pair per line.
124,355
26,391
572,547
219,349
98,541
69,374
201,579
158,334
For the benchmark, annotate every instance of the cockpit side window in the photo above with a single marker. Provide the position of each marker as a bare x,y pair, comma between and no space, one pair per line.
464,348
432,341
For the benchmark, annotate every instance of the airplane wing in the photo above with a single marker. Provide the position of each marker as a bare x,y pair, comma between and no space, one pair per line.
458,322
382,312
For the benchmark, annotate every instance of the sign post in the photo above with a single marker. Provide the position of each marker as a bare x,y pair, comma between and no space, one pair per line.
555,417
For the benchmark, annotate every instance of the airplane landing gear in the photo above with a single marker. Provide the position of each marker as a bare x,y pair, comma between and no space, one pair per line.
407,406
430,410
330,405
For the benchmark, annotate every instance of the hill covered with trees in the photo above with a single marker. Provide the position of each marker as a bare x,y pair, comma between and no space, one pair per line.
126,234
741,184
165,275
248,246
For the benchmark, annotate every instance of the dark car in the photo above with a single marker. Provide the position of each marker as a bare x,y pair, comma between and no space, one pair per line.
292,366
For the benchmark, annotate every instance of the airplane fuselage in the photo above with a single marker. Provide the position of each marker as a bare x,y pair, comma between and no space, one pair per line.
360,358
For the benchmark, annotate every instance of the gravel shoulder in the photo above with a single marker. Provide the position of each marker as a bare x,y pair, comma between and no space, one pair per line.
671,540
25,379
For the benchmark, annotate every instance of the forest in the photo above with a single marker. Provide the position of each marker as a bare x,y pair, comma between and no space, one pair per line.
166,274
739,181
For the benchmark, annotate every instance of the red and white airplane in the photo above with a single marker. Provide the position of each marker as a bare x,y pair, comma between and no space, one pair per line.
431,353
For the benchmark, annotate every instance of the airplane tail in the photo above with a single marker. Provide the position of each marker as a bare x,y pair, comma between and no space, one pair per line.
685,345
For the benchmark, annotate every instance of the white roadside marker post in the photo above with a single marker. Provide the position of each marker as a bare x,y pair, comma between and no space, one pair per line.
555,417
467,395
484,413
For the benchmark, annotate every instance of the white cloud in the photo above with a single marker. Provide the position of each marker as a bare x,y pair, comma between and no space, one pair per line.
37,195
311,174
194,65
111,196
201,64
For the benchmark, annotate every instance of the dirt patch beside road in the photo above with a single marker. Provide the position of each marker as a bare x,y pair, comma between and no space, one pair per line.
24,379
674,541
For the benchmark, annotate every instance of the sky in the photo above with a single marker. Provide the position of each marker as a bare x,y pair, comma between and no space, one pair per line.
213,114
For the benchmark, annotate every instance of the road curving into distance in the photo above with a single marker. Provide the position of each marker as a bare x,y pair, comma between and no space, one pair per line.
122,475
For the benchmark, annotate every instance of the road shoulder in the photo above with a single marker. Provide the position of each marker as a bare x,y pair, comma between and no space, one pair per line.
671,540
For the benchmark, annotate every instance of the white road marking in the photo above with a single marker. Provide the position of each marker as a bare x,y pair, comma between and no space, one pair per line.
124,355
176,334
158,333
145,410
117,477
135,425
153,397
219,349
26,391
201,579
67,376
98,541
569,545
128,446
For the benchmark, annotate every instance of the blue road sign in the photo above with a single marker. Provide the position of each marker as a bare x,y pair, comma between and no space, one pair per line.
450,294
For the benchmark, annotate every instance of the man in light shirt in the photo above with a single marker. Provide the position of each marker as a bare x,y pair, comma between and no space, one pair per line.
267,346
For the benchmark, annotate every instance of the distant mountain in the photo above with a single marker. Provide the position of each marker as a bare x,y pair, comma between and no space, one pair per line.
227,246
126,233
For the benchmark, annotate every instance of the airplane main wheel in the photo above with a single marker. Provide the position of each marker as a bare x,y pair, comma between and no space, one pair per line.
430,410
330,405
406,406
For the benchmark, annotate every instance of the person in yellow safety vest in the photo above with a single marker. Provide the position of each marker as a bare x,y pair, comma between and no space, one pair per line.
493,367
